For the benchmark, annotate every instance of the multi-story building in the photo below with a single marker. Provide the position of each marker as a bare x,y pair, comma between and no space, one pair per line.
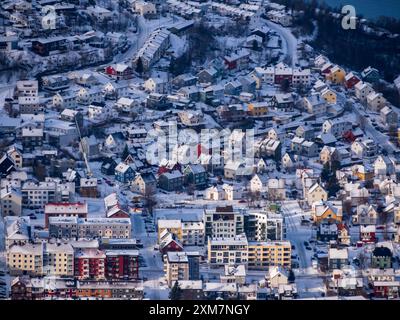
17,231
89,264
176,267
262,255
223,222
10,201
58,259
26,259
37,195
262,226
227,251
189,233
65,210
192,233
122,264
74,227
153,48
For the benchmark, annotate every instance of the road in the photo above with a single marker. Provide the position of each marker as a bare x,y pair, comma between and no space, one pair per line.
289,39
296,233
154,286
380,139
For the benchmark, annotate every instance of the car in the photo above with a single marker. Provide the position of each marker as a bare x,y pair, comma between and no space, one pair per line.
306,243
308,248
293,247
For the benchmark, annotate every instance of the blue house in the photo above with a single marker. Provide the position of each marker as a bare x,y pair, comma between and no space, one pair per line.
370,75
124,173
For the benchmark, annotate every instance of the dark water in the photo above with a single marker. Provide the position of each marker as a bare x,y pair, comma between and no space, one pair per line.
370,8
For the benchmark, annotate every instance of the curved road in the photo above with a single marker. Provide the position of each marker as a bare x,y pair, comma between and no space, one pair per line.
290,40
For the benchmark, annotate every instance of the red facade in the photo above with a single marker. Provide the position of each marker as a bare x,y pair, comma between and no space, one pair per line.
89,267
122,267
172,246
279,78
349,84
231,64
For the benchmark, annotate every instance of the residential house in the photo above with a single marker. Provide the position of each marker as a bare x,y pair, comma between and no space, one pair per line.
196,175
124,173
144,183
370,75
376,101
171,181
316,193
338,258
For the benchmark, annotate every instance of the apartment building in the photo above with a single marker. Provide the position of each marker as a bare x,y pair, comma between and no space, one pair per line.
37,195
58,259
65,210
74,227
262,226
192,233
176,267
122,264
26,259
262,255
10,201
223,222
17,231
173,226
153,48
227,251
89,264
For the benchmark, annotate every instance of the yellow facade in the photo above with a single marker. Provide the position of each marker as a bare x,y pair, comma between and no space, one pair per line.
262,255
172,226
21,259
61,264
257,111
329,96
337,75
329,214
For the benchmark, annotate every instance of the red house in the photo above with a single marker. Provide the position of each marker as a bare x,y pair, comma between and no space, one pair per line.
89,264
169,242
119,71
326,68
350,81
117,212
368,234
237,60
122,264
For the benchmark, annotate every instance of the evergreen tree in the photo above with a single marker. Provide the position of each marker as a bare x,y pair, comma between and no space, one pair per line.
255,45
325,173
291,277
139,66
176,292
125,153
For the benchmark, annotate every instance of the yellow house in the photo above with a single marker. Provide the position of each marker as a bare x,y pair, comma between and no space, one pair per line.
329,95
259,109
364,173
327,212
172,226
336,75
264,254
25,259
